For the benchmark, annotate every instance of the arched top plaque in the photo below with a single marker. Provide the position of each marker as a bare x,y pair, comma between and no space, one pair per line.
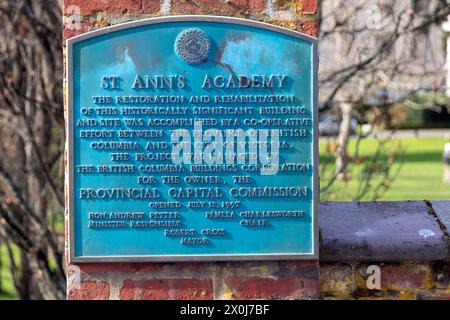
192,138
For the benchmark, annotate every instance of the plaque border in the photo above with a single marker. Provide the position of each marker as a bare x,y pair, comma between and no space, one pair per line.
190,257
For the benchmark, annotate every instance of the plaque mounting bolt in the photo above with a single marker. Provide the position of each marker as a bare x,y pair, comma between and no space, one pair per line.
192,45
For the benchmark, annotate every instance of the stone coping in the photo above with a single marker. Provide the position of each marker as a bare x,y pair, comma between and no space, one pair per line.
384,231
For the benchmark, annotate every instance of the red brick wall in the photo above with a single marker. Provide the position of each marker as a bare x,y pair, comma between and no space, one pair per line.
298,15
409,280
256,280
231,280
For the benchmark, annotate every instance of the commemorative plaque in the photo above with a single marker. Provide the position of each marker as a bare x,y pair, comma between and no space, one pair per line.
192,138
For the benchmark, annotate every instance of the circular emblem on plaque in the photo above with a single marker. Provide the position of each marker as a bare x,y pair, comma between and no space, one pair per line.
192,45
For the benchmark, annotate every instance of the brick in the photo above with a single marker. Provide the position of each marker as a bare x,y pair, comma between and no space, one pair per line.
434,295
298,6
89,290
303,269
337,280
306,27
87,7
218,7
311,288
150,6
167,289
404,276
270,288
119,267
388,298
441,274
307,6
284,4
141,267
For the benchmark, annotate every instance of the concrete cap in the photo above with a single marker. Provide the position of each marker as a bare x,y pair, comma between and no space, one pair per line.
381,231
442,211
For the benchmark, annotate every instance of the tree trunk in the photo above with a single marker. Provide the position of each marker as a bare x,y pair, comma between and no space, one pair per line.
344,135
1,269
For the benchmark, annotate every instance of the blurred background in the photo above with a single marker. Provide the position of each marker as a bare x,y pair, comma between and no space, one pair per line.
384,100
384,121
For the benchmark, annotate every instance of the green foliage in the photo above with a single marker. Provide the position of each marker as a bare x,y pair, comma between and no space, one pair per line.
419,178
7,290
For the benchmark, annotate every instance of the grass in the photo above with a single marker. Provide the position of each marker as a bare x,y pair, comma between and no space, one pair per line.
8,291
419,178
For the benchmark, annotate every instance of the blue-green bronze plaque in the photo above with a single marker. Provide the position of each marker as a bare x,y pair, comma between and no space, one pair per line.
192,139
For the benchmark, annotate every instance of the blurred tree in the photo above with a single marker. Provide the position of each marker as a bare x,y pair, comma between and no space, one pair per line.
32,145
375,54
